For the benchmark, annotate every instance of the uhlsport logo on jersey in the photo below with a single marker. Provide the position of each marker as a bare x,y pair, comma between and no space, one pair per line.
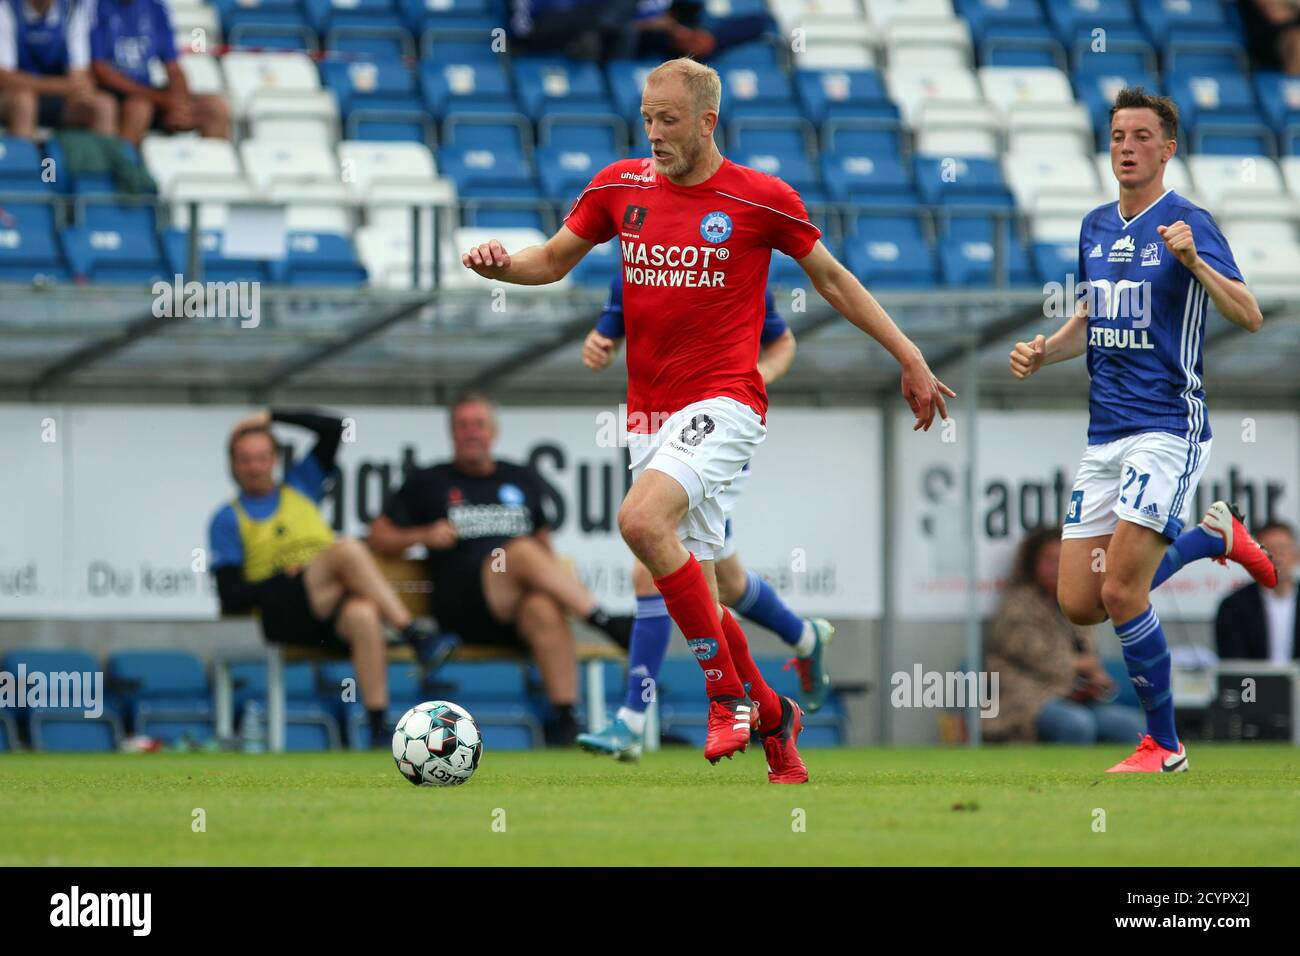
716,226
704,648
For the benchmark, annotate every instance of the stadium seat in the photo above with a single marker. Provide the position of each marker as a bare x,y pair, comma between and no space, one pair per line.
568,86
1217,177
379,101
191,26
202,73
1054,261
1008,88
584,131
457,45
1223,55
422,15
1097,92
320,206
782,137
1074,20
913,89
300,116
796,170
327,15
21,167
216,267
480,86
121,255
377,43
164,693
63,729
928,44
1168,19
597,270
1118,56
1291,174
387,254
484,171
878,181
970,129
277,161
1269,265
864,137
499,132
833,44
174,160
891,264
1221,113
1029,174
365,165
753,93
881,13
836,94
321,259
565,171
495,693
249,75
1036,128
972,180
309,726
972,263
213,199
9,739
29,246
1056,218
1279,99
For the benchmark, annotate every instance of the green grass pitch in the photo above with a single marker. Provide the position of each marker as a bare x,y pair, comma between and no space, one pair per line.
1239,805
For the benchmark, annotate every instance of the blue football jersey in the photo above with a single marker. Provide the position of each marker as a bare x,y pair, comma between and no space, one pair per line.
1147,320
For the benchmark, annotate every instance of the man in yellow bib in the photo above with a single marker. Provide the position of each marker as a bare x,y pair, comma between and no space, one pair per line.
272,552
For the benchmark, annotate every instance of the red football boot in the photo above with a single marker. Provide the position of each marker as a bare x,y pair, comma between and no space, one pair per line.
1225,520
1150,757
731,721
784,765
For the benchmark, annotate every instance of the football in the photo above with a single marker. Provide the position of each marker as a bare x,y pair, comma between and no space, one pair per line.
437,744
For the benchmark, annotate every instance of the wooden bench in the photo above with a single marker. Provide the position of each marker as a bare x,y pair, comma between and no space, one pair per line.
410,579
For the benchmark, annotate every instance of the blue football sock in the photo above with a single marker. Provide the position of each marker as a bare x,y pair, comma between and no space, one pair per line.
1146,652
762,605
1191,545
651,632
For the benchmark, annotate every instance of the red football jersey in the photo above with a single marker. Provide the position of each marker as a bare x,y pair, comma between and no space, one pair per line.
695,265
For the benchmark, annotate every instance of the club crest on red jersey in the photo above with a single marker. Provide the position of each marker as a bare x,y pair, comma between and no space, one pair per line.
716,226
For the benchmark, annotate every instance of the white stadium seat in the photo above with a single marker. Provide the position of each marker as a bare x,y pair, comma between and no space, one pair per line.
792,14
1237,176
927,44
1269,266
388,208
1009,87
295,116
882,13
202,73
174,159
1291,174
248,74
1029,174
387,256
268,161
970,130
189,19
835,45
214,198
1057,218
321,206
1041,127
365,164
913,89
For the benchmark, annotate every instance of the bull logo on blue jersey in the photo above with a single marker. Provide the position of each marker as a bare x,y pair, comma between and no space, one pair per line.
510,494
716,227
704,648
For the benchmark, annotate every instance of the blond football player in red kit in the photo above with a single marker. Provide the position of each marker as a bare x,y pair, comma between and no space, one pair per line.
696,233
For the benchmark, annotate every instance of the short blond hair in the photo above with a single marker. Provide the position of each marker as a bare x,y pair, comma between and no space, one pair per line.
703,85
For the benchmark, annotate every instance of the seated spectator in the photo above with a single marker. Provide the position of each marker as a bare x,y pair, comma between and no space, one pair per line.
272,553
45,75
1052,686
127,36
1261,624
670,28
496,578
1273,33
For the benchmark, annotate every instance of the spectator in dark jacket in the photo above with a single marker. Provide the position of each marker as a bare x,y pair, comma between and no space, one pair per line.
1262,624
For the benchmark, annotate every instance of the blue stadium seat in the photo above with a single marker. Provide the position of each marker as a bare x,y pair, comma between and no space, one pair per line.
275,24
625,80
113,255
983,15
863,137
469,86
755,55
321,259
1019,43
892,264
902,225
457,46
1097,92
1053,261
780,137
499,132
591,131
564,171
1164,19
59,729
835,94
8,732
422,15
487,172
20,167
1076,19
969,263
1119,56
69,183
553,83
758,92
164,693
873,180
939,178
372,43
496,694
216,267
597,270
29,246
379,101
1219,111
1279,98
796,170
326,15
309,725
499,214
1224,55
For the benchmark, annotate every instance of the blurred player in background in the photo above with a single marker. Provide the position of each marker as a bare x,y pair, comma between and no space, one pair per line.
496,577
273,553
1148,263
745,592
696,233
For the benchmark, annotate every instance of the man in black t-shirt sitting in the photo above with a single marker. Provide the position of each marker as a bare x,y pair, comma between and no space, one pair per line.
496,578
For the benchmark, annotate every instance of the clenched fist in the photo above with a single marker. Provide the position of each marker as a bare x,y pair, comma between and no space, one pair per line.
1178,237
1027,357
597,350
490,260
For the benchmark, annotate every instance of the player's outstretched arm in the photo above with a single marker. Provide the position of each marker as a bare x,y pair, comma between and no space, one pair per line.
536,265
838,286
1067,342
776,357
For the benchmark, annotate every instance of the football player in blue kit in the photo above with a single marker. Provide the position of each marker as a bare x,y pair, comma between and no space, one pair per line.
1147,264
745,591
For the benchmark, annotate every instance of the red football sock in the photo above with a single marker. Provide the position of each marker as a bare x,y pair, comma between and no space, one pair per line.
769,704
690,603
